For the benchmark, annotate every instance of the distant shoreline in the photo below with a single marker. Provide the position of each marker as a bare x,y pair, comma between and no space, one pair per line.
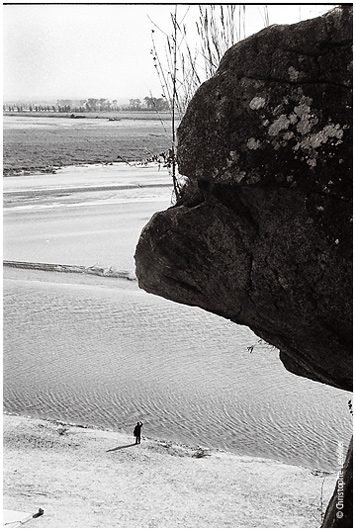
105,115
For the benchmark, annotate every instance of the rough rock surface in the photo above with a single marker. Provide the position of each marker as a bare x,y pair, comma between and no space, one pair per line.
262,234
339,510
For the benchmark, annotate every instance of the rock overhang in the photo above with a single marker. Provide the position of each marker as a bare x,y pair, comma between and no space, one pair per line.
262,233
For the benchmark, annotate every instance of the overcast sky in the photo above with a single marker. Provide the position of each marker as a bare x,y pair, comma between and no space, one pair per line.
58,51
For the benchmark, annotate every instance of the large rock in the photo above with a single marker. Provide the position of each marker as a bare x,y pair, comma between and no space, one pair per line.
262,233
339,510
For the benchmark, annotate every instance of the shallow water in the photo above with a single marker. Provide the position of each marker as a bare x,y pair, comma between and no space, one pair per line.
101,351
37,142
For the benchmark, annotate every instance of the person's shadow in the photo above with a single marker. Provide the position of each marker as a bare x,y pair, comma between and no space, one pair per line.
121,447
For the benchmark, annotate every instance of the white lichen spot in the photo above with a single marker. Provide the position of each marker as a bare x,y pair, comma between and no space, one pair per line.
306,120
311,162
306,123
305,100
252,143
315,140
253,179
337,241
320,208
278,109
293,118
283,282
289,178
240,176
280,124
293,73
298,125
257,103
225,175
288,135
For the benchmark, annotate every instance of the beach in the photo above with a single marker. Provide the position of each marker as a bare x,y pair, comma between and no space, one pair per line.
85,477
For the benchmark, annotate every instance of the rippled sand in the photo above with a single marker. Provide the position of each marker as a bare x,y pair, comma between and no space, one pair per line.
101,351
104,352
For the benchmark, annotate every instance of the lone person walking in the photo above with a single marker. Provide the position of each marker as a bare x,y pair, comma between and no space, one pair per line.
137,432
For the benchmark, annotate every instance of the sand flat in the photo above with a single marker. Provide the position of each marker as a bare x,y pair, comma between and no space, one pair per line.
60,218
69,472
115,174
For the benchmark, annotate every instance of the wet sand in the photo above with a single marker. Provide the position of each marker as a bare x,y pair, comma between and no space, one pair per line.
82,215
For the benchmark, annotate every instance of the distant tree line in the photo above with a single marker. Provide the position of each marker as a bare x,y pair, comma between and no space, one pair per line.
149,103
90,105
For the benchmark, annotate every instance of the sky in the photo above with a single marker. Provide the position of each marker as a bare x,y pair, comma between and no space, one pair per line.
79,51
